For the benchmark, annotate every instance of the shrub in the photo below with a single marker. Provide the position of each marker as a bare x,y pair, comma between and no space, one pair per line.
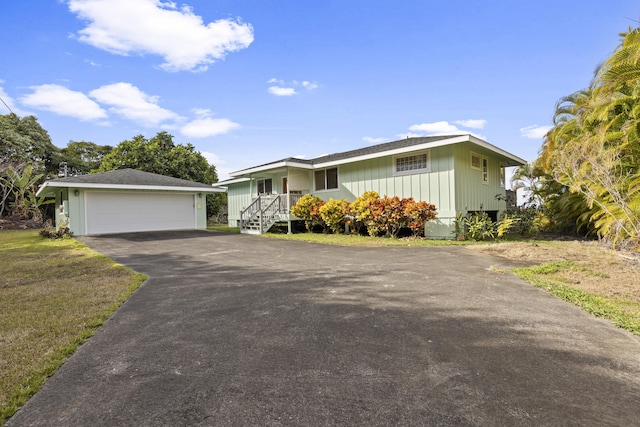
387,215
360,211
334,214
480,227
417,214
62,232
307,209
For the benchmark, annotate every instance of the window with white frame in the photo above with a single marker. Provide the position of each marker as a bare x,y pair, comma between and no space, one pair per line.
502,176
414,163
326,179
476,161
485,170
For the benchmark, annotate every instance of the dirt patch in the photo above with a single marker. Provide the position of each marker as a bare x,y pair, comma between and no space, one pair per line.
594,268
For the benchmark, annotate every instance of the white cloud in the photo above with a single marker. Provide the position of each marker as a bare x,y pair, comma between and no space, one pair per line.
310,85
212,158
133,104
282,88
63,101
282,91
180,37
207,126
437,128
534,132
441,128
472,124
373,140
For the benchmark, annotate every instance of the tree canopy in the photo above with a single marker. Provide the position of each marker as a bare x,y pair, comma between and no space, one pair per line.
162,156
82,157
24,141
589,165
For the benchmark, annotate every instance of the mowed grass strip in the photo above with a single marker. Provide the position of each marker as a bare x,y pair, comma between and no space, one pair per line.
357,240
557,277
53,296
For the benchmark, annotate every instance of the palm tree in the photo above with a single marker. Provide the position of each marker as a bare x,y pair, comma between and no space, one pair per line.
594,147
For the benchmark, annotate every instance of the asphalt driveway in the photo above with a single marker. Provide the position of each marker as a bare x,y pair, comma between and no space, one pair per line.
244,330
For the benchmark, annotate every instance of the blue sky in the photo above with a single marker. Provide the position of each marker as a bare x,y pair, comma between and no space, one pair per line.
252,81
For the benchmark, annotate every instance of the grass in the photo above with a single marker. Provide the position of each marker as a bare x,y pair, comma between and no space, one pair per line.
53,295
223,227
555,277
353,240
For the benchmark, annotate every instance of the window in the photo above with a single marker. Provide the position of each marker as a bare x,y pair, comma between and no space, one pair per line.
485,170
475,161
265,186
326,179
418,162
502,176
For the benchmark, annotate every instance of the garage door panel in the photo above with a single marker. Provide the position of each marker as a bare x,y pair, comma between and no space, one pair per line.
114,212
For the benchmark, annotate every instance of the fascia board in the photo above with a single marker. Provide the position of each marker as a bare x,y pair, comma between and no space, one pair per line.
85,185
230,181
269,167
495,149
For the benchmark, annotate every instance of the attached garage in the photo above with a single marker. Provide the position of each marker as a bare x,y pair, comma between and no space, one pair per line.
126,201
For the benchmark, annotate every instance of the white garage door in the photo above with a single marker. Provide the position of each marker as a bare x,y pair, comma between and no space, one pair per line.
113,212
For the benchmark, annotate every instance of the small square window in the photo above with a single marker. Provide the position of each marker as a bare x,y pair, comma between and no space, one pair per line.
476,160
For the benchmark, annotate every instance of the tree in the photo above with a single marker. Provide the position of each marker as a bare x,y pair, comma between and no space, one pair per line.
593,150
23,143
160,155
82,157
23,140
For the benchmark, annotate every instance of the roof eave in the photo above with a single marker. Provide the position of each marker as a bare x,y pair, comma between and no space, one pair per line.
270,166
48,187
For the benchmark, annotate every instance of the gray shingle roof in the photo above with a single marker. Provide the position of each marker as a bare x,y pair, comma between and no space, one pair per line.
379,148
373,149
130,177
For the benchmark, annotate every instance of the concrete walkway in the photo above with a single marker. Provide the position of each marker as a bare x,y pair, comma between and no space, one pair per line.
244,330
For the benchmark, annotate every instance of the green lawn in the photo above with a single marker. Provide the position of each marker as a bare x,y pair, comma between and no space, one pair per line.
353,240
53,295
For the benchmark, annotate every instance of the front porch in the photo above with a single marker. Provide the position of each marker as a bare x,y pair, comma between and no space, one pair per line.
267,210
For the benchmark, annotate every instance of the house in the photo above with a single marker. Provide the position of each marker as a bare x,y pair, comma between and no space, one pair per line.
127,200
457,173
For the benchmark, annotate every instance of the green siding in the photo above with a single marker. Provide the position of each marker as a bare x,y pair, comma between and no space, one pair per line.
238,197
471,193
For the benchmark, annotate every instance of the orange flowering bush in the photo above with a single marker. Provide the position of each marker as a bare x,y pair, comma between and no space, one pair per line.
417,214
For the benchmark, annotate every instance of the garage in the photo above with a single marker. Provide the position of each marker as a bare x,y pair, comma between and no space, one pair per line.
122,212
127,200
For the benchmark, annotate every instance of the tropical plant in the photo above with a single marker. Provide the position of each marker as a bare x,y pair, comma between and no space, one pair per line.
25,205
308,209
334,214
594,147
387,216
417,214
479,226
360,210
